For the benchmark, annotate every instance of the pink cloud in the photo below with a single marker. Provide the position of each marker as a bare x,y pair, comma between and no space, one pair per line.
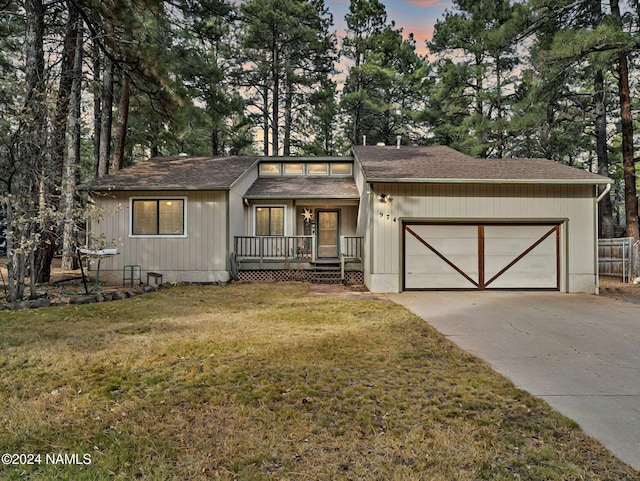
439,4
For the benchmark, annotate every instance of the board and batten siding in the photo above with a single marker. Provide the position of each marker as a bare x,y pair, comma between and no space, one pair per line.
572,205
201,256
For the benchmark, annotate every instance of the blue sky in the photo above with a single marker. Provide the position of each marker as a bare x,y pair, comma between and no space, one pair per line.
414,16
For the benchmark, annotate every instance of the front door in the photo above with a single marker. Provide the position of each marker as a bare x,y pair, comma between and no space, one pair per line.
327,232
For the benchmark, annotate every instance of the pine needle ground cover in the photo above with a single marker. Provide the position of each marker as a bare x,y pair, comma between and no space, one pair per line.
264,382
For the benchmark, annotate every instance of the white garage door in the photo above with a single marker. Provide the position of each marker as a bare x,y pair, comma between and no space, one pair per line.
481,256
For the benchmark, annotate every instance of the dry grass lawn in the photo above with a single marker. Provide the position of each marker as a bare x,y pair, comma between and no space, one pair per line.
264,382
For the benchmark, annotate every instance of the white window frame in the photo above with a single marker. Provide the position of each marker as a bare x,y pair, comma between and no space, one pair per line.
159,236
284,214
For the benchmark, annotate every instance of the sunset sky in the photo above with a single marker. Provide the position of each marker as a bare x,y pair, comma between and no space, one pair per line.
417,16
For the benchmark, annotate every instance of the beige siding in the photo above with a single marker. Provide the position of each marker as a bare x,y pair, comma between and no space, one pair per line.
293,214
200,256
364,219
249,215
237,207
348,216
442,202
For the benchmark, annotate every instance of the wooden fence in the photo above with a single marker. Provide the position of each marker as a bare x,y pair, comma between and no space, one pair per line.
618,258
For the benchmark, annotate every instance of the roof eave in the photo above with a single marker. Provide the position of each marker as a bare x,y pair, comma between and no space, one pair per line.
598,181
246,172
294,197
115,188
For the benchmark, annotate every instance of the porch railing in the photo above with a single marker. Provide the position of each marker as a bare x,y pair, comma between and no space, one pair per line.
351,247
301,247
275,247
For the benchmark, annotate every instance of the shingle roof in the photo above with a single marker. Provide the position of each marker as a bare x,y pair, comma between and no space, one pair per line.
176,173
303,187
441,164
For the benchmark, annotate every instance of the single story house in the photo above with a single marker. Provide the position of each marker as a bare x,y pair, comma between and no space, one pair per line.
395,218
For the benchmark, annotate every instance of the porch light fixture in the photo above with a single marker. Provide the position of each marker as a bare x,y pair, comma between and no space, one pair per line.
384,198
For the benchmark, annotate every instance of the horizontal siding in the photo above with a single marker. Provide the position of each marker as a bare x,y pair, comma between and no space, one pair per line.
204,249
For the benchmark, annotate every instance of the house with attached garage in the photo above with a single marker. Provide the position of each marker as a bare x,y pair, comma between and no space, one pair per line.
392,218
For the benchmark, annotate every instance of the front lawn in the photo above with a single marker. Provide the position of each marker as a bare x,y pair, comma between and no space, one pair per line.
264,382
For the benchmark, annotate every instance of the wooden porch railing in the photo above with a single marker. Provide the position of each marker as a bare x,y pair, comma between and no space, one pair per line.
302,247
351,246
275,247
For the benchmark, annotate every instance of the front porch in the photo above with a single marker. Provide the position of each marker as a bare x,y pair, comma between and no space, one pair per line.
280,258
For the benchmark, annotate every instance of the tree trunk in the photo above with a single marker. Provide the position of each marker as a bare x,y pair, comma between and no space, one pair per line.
11,254
69,260
97,106
50,233
605,211
275,111
288,116
123,117
32,149
630,196
265,120
107,118
64,92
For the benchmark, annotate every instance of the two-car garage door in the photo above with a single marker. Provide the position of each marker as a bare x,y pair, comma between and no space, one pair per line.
481,256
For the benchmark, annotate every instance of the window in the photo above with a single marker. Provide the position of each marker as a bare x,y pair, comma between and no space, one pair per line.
294,169
158,217
318,169
269,221
340,168
270,169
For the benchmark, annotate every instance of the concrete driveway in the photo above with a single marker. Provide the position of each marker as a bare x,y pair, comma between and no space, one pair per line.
580,353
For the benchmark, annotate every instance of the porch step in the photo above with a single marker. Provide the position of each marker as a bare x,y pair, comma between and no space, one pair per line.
326,276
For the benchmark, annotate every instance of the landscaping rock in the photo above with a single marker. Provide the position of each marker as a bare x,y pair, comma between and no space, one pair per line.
42,302
150,288
60,301
82,300
30,304
118,296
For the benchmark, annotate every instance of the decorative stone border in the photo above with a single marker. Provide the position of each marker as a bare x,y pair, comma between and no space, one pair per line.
61,300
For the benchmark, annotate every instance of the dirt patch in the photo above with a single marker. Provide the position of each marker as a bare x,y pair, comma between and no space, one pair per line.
616,289
340,290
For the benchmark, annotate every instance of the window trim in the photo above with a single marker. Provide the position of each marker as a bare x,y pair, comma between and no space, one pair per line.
159,236
270,206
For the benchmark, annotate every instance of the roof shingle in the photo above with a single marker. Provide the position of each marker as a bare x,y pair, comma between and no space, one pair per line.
444,164
176,173
304,187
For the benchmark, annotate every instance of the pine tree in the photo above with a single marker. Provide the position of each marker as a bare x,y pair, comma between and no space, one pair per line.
482,36
281,42
387,80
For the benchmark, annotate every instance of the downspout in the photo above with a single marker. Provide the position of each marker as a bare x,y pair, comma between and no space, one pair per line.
606,191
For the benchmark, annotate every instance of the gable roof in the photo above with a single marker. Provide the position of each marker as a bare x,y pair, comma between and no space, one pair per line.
440,164
303,187
176,173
